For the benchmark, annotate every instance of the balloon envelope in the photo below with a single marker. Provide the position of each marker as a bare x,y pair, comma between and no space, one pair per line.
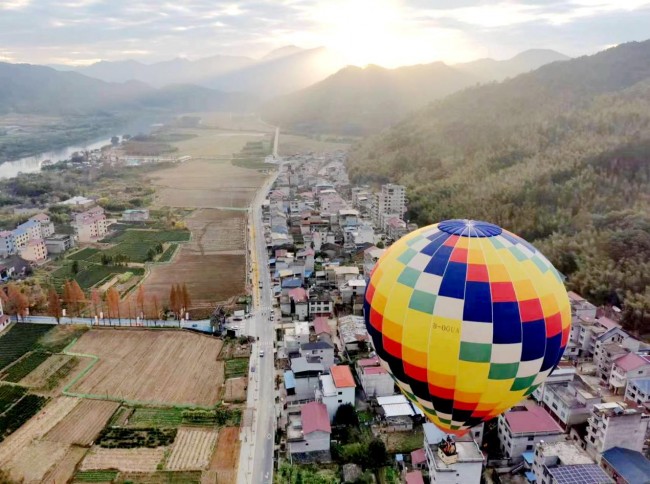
468,318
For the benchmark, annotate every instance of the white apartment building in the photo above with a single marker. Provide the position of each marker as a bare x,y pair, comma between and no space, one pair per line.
553,461
626,368
614,424
638,390
390,201
451,461
337,389
570,403
524,426
563,373
375,380
90,225
33,251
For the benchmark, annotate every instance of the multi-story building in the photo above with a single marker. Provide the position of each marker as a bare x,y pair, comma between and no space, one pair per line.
320,304
570,403
59,243
522,427
626,368
308,432
90,225
615,424
45,224
563,373
390,201
554,462
33,251
337,389
638,390
626,466
318,351
450,461
375,380
7,244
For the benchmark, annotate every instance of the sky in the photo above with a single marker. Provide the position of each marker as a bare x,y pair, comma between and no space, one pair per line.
384,32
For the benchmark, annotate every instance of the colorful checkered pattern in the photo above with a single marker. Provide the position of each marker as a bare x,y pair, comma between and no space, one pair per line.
468,318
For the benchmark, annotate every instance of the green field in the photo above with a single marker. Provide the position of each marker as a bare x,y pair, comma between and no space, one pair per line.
161,477
10,394
23,367
18,340
168,254
156,417
128,438
95,476
83,254
21,412
89,274
236,367
134,236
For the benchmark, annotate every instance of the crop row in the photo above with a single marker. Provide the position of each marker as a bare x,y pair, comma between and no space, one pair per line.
21,412
10,394
95,476
24,366
127,438
20,338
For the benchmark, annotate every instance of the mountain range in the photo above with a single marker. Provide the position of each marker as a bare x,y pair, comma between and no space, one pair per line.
558,155
358,101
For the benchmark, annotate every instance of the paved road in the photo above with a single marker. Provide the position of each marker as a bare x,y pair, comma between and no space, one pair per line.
256,458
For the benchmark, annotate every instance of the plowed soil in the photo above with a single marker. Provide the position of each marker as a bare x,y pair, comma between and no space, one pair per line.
127,460
226,455
82,425
192,449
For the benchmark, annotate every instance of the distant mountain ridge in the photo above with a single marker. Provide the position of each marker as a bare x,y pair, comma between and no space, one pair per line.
358,101
31,89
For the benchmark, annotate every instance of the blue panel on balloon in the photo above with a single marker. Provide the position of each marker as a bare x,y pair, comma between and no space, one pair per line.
553,345
510,238
534,343
438,263
453,281
506,323
478,306
436,241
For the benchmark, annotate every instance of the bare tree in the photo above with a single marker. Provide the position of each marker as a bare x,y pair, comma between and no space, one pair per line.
54,304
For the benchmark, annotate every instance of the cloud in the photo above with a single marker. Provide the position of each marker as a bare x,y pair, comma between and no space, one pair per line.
14,4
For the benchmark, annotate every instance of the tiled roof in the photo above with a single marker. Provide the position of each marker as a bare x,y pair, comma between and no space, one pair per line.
298,294
532,419
342,376
314,418
374,361
631,361
374,370
418,457
414,477
321,326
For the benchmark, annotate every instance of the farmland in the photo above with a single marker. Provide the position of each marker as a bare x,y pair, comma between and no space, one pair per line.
226,455
19,413
128,460
235,390
192,449
156,417
237,367
53,373
168,367
9,394
18,340
82,425
24,366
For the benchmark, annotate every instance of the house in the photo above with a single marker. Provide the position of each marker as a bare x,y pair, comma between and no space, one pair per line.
308,433
33,251
450,461
563,373
44,223
301,331
419,458
322,327
59,243
289,383
562,462
306,377
321,351
375,380
82,202
321,304
638,390
337,389
299,305
7,243
524,426
352,332
397,413
135,215
628,367
626,466
614,424
90,225
370,258
570,403
339,275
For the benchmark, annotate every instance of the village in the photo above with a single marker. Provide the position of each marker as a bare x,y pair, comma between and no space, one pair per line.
339,408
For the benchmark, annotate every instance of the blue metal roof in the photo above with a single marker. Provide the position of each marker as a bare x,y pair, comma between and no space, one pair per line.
629,464
642,384
291,283
528,456
289,380
308,273
530,476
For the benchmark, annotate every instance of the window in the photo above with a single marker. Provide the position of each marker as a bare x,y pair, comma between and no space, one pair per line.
531,438
529,447
340,401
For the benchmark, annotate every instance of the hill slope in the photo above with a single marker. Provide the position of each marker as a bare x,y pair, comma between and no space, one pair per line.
33,89
359,101
558,155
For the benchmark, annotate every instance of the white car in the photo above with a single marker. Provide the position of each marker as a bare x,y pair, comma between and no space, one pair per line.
261,353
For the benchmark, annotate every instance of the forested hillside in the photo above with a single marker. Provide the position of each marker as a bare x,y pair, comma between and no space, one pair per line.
560,156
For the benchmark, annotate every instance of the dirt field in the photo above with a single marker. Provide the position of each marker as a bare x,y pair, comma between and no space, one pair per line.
212,264
54,373
35,460
235,390
65,468
35,428
205,184
166,367
128,460
290,144
82,425
226,455
192,449
211,142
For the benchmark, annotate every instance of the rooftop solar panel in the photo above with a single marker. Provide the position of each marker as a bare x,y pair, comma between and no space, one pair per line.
579,474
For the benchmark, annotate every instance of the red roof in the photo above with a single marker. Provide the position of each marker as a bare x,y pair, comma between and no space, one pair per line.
321,326
342,376
631,361
414,477
298,294
374,370
532,418
374,361
418,457
608,323
314,417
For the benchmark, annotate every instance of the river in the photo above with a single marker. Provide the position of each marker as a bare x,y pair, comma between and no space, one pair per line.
33,164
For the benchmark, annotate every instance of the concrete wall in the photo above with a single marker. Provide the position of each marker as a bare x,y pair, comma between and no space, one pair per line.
313,442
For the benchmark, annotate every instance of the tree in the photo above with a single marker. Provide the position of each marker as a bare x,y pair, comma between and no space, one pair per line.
75,267
185,297
17,302
156,307
380,244
78,297
377,454
346,415
96,300
67,295
151,254
139,299
54,304
173,300
115,140
113,300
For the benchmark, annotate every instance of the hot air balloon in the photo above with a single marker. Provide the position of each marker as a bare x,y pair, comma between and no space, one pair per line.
468,319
